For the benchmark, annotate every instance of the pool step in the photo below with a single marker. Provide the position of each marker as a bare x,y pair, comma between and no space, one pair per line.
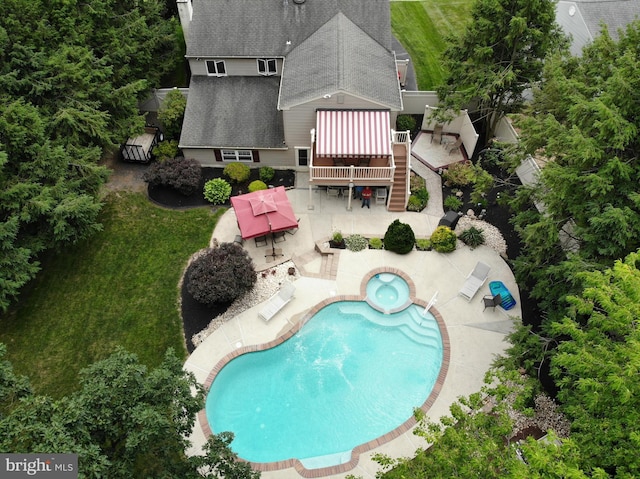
423,330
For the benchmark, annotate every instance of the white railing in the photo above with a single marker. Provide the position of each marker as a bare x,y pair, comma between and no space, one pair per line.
351,173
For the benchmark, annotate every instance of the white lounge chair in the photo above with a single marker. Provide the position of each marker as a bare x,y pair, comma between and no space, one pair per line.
475,280
276,302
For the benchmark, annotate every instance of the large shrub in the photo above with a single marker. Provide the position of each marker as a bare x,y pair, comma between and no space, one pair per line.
237,172
221,274
217,191
405,122
181,174
171,113
443,239
166,150
399,238
459,174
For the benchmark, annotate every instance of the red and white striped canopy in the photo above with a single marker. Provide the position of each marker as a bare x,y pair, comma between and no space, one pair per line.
357,133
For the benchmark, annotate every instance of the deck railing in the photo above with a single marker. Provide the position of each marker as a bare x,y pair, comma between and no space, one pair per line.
352,173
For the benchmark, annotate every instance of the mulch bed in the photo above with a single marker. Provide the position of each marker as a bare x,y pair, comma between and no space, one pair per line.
170,198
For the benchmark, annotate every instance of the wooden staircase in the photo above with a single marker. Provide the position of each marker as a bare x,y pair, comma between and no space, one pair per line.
399,190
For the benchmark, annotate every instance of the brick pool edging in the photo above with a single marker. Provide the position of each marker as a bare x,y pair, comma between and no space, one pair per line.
362,448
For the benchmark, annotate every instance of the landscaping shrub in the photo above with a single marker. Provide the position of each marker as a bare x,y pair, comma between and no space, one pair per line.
237,172
452,203
267,173
399,238
181,174
356,242
414,204
221,275
423,244
337,240
472,236
171,113
443,239
418,200
405,122
459,174
375,243
217,191
166,150
257,185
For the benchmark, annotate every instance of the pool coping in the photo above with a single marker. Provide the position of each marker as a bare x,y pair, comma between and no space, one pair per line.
291,331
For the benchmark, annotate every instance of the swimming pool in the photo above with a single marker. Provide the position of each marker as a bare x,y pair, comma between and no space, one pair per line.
350,375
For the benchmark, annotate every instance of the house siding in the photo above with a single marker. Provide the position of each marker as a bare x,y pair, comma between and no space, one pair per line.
274,158
234,66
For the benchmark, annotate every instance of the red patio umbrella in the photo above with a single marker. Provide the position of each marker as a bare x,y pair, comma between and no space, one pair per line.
264,211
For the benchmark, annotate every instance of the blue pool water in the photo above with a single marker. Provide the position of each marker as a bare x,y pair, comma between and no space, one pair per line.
388,292
350,375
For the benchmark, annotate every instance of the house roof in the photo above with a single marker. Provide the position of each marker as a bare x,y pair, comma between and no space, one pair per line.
582,19
339,57
255,28
233,112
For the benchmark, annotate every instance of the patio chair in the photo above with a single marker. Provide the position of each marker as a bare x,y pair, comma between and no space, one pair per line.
381,195
475,280
454,146
491,301
437,134
278,301
279,237
261,240
293,231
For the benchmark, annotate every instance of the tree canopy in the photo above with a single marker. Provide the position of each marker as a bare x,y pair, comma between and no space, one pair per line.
71,76
498,56
124,421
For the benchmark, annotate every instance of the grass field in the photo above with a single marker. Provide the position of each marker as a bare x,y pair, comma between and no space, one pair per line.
118,288
422,27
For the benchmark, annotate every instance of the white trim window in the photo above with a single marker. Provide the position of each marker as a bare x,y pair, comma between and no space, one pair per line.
244,156
216,68
267,66
302,155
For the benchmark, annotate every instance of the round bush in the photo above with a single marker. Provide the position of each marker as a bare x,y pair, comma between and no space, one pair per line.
399,238
221,275
443,239
181,174
267,173
217,191
237,172
423,244
257,185
375,243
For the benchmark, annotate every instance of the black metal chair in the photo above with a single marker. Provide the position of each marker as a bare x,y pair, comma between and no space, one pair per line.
491,301
261,240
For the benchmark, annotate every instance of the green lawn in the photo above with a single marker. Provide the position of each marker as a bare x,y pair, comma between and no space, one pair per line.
118,288
422,27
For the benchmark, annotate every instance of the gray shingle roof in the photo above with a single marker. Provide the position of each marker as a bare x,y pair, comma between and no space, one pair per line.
255,28
339,57
582,19
233,112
